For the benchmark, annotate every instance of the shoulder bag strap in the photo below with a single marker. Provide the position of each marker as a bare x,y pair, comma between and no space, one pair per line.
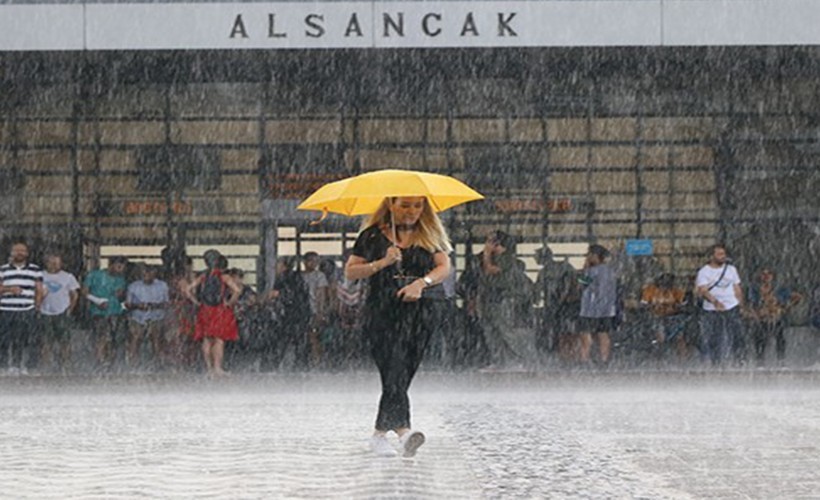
722,274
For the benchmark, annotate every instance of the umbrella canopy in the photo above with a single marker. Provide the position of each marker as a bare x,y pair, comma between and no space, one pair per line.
364,193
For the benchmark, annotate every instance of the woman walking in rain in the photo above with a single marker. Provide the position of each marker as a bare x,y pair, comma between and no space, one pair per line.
215,319
403,252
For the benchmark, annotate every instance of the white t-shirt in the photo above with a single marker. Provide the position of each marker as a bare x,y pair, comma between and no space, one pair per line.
723,291
314,281
57,298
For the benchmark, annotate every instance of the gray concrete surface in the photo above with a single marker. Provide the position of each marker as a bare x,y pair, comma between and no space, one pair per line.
703,434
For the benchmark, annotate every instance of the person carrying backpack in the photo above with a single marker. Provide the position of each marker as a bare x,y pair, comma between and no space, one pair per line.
216,294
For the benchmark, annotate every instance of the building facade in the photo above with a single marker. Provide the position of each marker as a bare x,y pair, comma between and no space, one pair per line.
102,151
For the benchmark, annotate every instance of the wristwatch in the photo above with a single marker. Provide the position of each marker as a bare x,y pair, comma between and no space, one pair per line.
427,281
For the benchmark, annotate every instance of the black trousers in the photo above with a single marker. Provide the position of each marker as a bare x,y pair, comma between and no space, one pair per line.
18,330
398,340
289,335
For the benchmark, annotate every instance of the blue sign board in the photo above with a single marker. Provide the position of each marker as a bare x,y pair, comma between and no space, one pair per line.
639,247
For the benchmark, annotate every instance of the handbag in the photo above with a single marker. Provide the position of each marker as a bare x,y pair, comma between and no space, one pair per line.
430,292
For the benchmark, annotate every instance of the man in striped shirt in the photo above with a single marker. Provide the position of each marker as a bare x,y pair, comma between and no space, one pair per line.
21,293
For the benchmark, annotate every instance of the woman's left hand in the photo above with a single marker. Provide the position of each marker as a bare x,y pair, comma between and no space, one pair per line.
412,292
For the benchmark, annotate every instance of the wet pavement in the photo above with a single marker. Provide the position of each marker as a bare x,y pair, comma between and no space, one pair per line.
701,434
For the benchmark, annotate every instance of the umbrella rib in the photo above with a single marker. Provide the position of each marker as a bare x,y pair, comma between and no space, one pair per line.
430,198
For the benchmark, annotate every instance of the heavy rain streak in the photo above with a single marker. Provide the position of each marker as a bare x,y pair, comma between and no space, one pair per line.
627,307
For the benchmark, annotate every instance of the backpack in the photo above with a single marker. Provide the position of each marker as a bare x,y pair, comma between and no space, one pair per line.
294,301
211,290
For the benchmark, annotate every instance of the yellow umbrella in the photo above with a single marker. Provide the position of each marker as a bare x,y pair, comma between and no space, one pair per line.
364,193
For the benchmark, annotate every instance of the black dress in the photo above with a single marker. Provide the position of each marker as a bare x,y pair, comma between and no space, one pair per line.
398,332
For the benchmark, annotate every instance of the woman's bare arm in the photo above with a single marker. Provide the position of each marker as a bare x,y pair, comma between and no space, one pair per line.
358,268
235,290
188,289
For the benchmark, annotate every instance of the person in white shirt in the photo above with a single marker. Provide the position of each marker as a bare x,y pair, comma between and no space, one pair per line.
146,300
718,284
318,287
62,293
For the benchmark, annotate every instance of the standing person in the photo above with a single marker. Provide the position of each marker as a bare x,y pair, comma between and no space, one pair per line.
146,301
768,303
718,284
216,294
557,286
62,294
105,291
317,285
245,311
497,299
472,350
289,299
598,304
665,302
331,334
351,296
334,276
21,285
181,347
403,252
448,332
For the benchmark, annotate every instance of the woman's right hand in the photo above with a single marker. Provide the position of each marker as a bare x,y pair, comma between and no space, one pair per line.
392,256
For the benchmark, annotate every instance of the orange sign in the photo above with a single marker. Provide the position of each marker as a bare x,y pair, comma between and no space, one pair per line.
156,208
560,205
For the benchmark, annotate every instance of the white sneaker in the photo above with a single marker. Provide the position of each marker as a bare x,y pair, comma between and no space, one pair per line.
24,371
381,447
411,442
14,371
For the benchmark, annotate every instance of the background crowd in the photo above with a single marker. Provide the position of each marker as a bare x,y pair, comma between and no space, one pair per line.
617,309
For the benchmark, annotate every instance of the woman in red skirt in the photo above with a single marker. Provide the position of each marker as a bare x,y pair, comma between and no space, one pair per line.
216,294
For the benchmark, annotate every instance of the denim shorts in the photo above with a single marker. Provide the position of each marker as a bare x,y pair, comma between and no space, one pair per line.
596,325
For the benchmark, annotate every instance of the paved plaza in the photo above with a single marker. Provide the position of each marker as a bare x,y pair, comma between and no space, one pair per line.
744,434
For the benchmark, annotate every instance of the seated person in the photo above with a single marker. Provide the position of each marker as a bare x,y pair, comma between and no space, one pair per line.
665,302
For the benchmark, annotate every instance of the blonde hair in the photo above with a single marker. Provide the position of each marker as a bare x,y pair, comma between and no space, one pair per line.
429,234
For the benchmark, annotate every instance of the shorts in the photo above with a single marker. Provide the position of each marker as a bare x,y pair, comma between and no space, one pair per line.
112,327
57,327
596,325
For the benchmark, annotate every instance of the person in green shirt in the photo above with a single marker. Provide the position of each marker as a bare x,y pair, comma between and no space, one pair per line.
497,299
557,286
105,292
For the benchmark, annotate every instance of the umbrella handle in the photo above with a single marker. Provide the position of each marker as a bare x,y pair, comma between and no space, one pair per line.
395,239
320,219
